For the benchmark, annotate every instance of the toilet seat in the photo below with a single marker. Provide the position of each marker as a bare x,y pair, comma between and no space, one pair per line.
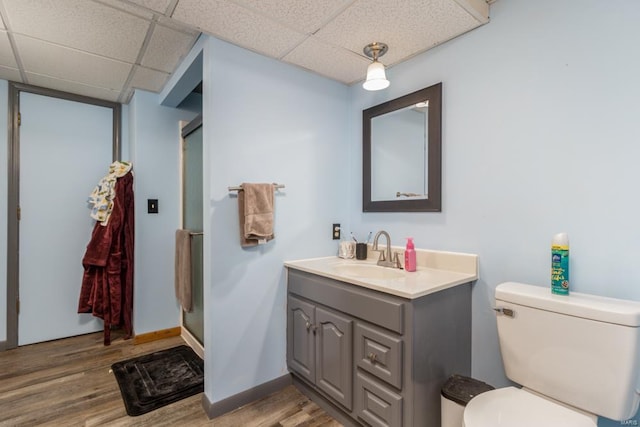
514,407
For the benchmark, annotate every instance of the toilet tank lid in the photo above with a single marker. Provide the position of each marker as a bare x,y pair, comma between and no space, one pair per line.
593,307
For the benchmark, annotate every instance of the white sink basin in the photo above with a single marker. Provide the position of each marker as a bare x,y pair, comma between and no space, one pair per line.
368,271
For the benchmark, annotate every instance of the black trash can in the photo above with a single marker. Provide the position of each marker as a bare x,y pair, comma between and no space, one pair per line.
455,394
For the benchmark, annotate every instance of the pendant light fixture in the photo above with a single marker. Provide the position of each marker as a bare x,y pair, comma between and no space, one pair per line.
376,77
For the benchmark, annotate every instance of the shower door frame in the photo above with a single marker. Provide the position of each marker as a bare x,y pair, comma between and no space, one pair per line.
186,128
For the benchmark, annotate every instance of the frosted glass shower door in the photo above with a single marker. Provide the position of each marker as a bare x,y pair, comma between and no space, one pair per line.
192,220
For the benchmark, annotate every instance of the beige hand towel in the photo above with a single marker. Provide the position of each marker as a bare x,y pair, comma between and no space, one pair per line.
183,269
255,208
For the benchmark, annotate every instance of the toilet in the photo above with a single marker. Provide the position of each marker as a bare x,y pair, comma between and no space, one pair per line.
576,357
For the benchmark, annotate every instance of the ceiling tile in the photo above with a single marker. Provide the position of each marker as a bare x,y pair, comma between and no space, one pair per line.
157,5
424,24
72,87
151,80
6,53
81,24
166,48
69,64
127,7
177,25
11,74
97,42
306,16
238,25
333,62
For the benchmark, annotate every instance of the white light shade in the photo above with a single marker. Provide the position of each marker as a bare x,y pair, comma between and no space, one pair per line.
376,78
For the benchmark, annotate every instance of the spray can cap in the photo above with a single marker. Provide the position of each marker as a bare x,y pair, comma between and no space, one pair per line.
560,239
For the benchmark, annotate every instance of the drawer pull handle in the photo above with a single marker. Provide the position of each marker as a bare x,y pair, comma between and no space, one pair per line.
373,357
308,325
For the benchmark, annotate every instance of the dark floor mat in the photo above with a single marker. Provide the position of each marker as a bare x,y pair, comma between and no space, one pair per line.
154,380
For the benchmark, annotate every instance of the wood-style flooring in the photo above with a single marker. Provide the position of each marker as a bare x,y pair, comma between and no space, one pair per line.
68,382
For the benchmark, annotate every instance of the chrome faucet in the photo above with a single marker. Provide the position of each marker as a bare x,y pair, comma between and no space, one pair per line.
387,258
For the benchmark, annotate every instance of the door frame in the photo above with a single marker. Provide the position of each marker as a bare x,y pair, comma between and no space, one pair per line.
13,189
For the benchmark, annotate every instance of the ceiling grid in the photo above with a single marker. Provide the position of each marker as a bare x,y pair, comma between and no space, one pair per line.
109,48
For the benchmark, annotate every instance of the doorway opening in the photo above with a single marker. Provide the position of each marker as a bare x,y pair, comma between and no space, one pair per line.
60,145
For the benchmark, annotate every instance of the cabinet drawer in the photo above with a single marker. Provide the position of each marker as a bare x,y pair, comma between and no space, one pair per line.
376,404
372,306
379,353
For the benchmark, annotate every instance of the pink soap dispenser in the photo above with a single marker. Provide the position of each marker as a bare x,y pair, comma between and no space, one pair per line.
410,256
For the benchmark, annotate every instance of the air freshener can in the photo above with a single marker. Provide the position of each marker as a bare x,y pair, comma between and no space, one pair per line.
560,264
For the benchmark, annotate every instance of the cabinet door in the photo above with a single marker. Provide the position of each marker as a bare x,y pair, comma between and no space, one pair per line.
334,352
301,338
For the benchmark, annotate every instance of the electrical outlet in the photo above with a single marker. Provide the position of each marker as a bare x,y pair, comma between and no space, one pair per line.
336,231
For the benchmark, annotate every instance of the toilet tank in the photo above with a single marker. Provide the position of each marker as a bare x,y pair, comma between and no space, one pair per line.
582,350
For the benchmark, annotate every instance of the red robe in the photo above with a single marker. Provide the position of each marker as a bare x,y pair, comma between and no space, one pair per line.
107,283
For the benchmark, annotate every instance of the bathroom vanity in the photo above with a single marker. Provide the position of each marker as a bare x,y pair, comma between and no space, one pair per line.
374,345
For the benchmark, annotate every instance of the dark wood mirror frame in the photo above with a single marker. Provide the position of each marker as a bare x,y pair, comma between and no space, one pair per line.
434,201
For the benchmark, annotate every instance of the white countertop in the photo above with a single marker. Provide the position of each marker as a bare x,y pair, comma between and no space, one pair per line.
437,270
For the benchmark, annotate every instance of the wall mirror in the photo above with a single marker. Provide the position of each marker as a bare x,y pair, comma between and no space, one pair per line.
402,153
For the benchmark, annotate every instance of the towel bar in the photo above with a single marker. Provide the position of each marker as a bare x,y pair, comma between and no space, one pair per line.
239,187
200,233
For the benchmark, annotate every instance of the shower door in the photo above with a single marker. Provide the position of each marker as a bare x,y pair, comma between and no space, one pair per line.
193,321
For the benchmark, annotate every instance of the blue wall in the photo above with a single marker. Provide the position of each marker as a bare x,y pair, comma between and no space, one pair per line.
265,121
154,149
540,135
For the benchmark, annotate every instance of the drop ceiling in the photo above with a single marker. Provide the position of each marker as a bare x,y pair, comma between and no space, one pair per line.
107,48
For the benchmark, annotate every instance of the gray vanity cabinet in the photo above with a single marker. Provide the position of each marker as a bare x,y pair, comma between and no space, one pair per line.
320,348
374,359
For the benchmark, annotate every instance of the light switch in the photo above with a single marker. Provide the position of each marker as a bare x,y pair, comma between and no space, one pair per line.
152,206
